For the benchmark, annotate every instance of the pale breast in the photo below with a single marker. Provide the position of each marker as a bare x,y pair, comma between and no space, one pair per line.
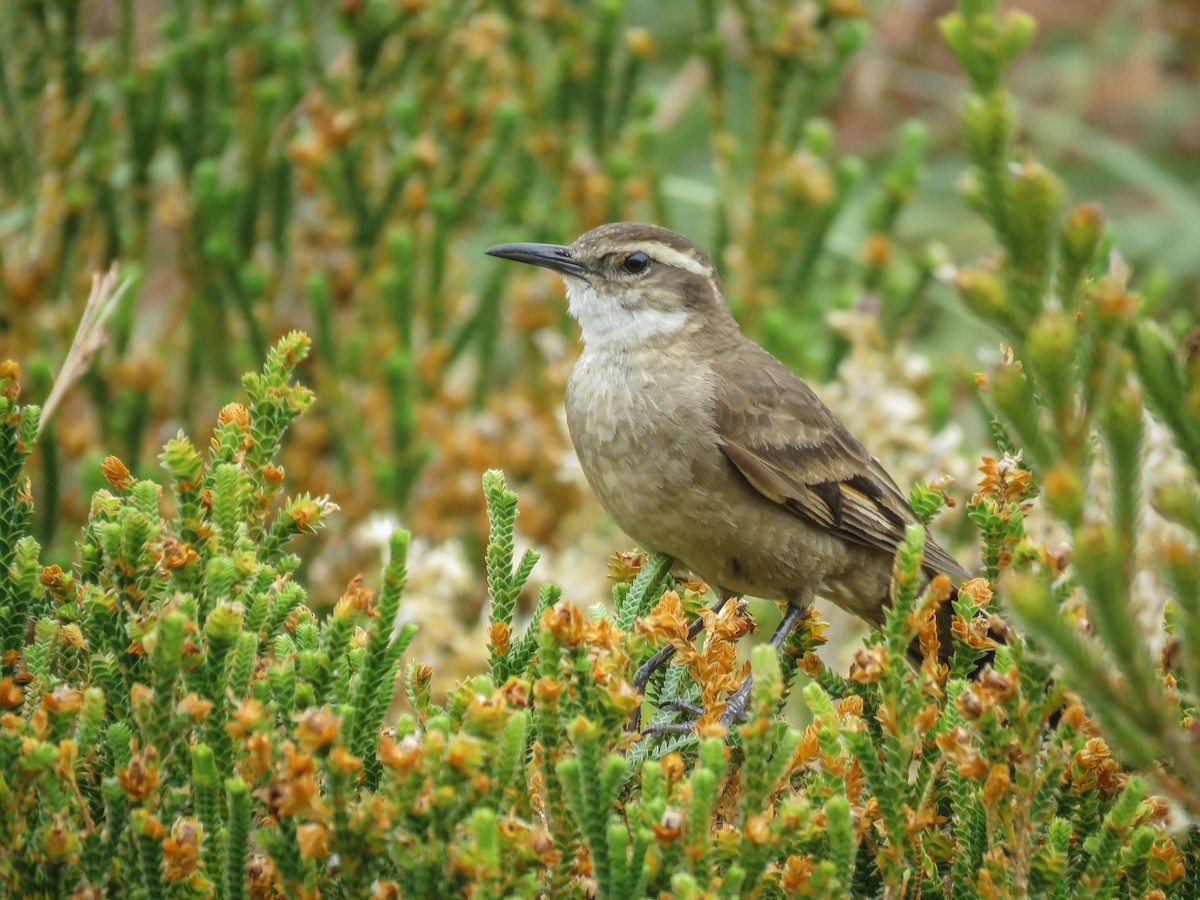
648,446
643,439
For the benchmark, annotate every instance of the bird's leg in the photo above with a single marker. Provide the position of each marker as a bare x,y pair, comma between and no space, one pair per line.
652,665
736,704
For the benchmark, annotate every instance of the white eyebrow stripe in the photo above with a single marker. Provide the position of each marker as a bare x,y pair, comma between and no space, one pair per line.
672,257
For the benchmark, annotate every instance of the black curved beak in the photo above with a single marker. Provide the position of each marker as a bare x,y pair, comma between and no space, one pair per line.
550,256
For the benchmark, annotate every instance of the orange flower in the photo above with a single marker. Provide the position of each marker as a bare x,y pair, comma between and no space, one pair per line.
139,779
248,715
116,473
403,755
11,696
498,637
195,708
181,851
235,413
357,598
317,729
996,787
565,622
313,841
867,667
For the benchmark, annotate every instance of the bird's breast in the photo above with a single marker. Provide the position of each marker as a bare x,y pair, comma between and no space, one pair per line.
643,427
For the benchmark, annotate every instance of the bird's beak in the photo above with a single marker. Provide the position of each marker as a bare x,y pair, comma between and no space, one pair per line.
551,256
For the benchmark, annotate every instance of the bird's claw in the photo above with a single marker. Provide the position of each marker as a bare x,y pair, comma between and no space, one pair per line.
735,711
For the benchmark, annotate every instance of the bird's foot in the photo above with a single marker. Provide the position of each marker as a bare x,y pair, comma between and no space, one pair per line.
647,669
686,726
735,709
735,706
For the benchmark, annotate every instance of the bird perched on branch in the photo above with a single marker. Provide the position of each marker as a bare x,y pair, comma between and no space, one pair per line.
702,445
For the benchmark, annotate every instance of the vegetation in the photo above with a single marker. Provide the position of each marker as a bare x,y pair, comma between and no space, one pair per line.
178,721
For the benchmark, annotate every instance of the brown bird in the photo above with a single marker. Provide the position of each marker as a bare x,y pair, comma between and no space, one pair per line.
702,445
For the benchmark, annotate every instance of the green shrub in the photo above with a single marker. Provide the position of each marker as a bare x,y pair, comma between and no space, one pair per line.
177,722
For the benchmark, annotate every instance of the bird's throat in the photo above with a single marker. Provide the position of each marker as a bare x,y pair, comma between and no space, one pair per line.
606,323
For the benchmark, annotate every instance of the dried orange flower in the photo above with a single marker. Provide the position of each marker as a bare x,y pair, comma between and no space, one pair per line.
465,754
565,622
297,792
258,753
313,841
795,873
670,827
1093,768
758,828
403,755
867,667
63,699
1167,864
673,769
260,877
116,473
248,715
317,729
996,787
498,637
176,555
1005,479
181,851
342,759
194,707
139,779
51,577
516,692
235,413
978,590
357,598
624,565
11,695
666,620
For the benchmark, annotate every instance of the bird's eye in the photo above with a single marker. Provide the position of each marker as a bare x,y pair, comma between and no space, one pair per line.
635,263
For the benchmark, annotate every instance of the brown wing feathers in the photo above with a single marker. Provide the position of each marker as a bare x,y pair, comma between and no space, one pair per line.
796,453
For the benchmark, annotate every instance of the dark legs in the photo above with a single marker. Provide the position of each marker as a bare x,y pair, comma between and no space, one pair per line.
652,665
659,659
736,704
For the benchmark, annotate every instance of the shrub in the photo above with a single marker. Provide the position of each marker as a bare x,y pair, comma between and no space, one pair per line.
178,722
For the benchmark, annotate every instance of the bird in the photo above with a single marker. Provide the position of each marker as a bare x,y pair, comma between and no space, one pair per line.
703,446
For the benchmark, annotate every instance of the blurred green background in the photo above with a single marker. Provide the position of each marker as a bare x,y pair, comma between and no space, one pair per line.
262,165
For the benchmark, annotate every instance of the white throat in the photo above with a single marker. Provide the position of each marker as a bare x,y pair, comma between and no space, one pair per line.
607,324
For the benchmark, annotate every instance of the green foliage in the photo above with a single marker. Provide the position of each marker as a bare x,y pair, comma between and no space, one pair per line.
177,722
1085,367
217,740
337,167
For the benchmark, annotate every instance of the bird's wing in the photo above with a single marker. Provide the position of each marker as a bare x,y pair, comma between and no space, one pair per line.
794,451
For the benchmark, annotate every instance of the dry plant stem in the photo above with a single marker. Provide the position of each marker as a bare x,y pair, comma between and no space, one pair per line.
106,293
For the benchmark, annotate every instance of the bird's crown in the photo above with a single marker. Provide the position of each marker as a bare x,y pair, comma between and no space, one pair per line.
632,248
630,283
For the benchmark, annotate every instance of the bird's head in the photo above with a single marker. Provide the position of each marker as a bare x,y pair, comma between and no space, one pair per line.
629,283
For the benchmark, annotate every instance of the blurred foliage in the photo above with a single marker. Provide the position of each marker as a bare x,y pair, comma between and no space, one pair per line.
177,722
259,166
